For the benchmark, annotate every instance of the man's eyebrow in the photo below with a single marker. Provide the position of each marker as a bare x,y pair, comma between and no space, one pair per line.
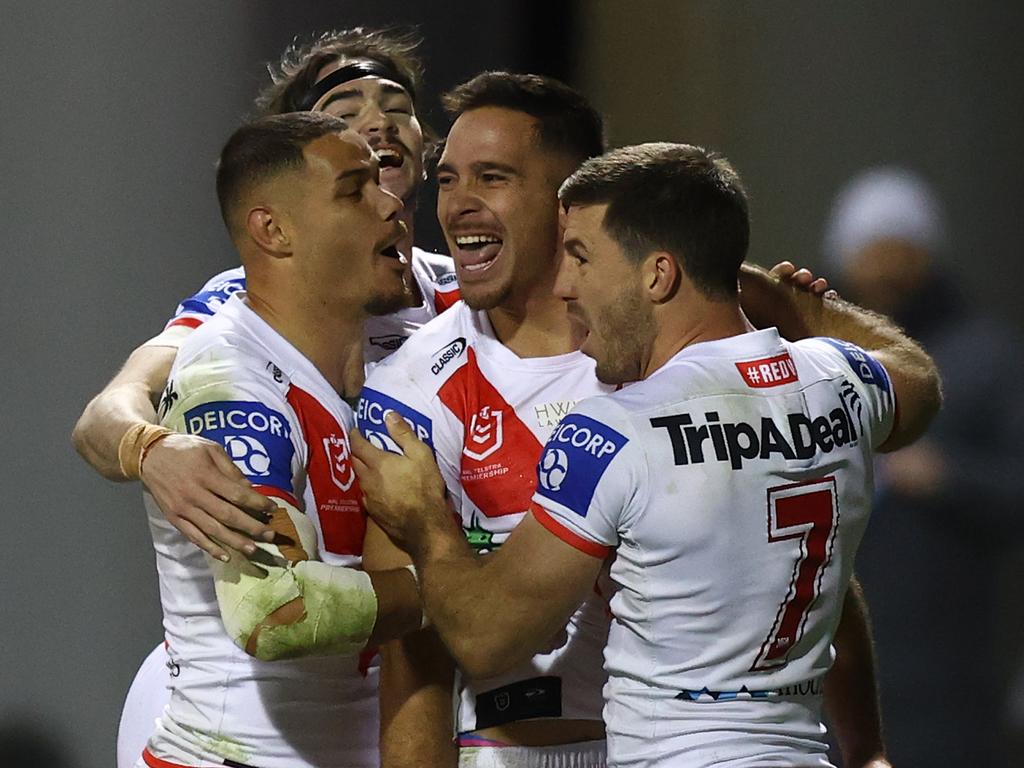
348,93
574,245
355,173
394,90
489,165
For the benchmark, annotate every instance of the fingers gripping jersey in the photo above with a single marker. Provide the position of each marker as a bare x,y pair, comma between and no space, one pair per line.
487,412
238,383
735,484
433,273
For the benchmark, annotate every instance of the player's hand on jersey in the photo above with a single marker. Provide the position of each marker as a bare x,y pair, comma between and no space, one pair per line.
404,494
205,496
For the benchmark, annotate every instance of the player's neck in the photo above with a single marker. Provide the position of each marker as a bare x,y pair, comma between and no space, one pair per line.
536,325
676,331
333,343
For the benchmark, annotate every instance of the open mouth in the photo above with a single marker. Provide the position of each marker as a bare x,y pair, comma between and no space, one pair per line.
389,158
477,252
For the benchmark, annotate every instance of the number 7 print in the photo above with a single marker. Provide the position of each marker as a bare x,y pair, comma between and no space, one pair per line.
807,511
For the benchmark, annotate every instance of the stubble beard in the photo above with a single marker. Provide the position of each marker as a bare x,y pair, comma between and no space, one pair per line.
627,326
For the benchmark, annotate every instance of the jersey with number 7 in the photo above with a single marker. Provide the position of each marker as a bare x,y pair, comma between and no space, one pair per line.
734,486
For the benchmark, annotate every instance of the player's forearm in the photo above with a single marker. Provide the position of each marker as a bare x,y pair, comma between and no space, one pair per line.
474,605
798,315
416,680
129,399
851,693
105,420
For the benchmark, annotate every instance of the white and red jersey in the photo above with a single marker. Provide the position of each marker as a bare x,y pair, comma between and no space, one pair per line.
487,412
239,383
434,274
733,486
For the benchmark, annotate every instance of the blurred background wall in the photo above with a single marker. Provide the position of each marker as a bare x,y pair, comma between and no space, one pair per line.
113,114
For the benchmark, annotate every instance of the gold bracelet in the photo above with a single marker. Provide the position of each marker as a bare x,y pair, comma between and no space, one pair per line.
135,443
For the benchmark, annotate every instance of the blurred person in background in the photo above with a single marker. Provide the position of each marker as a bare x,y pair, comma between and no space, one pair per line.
947,516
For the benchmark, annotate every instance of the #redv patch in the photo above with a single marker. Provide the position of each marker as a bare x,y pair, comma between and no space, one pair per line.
768,371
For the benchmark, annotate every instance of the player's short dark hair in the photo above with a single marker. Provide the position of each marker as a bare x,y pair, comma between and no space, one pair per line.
670,197
566,122
264,148
297,71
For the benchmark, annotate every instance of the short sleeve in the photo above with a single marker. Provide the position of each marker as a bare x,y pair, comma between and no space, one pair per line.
197,308
239,409
587,477
868,391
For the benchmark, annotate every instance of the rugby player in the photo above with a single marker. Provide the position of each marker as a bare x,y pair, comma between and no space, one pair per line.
731,483
371,79
485,385
318,235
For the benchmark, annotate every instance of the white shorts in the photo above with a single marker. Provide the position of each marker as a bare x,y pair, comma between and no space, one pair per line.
145,702
585,754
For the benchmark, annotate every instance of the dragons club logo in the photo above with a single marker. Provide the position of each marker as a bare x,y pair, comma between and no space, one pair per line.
485,433
342,472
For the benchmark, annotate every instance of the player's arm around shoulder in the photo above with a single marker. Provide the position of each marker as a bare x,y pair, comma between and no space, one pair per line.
193,482
913,377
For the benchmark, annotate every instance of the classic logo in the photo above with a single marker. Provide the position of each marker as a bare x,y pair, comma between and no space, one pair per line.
446,354
768,371
447,278
342,472
390,341
554,465
484,435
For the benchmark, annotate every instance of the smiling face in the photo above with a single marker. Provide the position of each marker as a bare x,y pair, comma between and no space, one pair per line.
603,293
344,226
497,205
382,112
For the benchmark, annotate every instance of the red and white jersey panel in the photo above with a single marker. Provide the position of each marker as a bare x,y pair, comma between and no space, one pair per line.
734,484
487,413
238,383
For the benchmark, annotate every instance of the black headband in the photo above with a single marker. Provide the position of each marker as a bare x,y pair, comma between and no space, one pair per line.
349,72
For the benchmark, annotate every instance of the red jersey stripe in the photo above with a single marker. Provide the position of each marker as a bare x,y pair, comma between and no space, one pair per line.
573,539
331,475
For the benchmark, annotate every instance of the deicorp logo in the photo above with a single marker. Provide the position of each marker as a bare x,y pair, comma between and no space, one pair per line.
257,438
574,460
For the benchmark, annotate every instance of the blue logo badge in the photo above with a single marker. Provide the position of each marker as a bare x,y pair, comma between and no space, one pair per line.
868,370
209,301
257,438
374,405
574,459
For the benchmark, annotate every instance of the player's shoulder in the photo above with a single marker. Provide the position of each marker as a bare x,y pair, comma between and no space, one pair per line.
830,356
432,354
439,267
435,274
228,350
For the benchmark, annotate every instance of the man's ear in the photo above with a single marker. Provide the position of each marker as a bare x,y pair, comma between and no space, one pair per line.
268,230
660,274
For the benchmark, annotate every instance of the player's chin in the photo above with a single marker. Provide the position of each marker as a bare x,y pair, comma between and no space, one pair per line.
392,294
